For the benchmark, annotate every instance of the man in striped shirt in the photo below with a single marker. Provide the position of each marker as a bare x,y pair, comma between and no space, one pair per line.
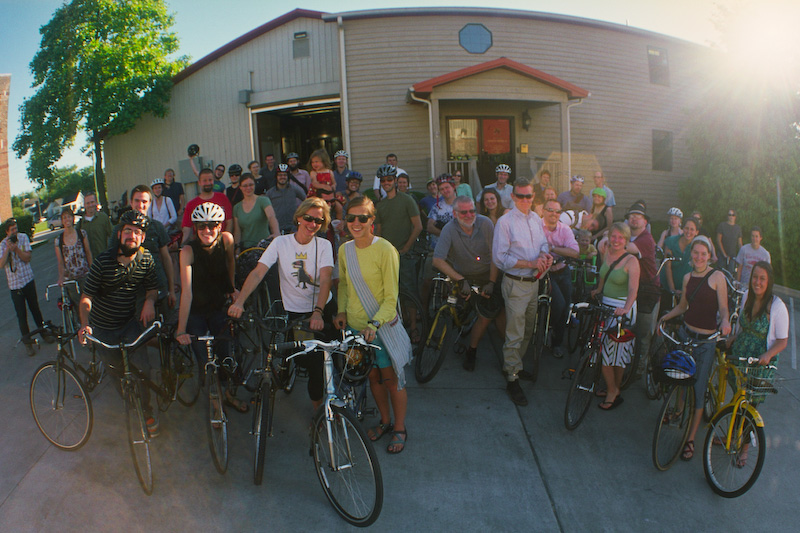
108,301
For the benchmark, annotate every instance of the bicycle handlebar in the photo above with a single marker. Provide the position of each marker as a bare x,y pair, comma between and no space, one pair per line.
68,282
309,345
124,346
717,336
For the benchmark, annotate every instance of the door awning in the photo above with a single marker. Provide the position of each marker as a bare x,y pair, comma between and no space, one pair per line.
425,88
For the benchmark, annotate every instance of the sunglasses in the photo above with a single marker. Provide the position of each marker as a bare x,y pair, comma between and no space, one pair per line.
386,179
524,196
467,211
207,225
552,210
361,218
315,220
731,214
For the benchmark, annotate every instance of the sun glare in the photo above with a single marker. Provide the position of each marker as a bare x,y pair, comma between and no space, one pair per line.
764,38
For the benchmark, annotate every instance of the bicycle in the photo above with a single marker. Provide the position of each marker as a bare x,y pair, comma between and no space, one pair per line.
344,458
415,319
586,377
675,417
453,319
138,436
59,394
540,334
736,430
584,277
70,320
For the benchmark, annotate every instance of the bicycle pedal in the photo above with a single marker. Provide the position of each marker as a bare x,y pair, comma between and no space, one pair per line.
568,373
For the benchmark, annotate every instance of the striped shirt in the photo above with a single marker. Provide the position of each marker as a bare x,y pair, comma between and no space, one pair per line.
113,287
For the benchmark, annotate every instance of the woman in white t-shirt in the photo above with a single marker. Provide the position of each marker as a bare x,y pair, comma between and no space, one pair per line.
305,264
162,208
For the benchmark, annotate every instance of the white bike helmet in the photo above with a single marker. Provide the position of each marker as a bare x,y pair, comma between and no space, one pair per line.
503,168
157,181
675,212
208,212
283,167
341,153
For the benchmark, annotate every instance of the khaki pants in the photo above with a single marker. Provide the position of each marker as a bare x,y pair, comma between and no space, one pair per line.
521,300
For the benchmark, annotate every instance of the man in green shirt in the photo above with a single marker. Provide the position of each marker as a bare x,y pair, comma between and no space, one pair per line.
398,222
96,224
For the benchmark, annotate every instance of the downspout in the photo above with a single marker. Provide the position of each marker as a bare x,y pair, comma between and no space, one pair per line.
430,123
569,139
343,90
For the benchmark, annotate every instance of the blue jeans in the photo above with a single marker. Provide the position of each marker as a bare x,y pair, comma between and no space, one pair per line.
704,359
113,358
561,299
21,297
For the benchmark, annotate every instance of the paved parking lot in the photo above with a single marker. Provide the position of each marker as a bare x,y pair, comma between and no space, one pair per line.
474,462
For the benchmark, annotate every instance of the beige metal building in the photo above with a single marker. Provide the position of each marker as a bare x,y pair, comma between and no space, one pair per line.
442,88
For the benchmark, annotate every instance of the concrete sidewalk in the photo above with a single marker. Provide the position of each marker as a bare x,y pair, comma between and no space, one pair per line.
474,462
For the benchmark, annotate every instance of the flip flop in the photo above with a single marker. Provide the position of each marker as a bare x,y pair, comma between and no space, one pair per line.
611,405
601,393
688,451
236,404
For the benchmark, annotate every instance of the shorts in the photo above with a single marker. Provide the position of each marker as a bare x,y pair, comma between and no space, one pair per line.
408,273
382,359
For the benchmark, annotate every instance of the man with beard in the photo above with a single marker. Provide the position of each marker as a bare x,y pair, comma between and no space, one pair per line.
296,174
574,199
206,182
464,253
285,197
108,301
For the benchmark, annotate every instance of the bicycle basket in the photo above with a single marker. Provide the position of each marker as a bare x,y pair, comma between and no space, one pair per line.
355,364
759,381
677,367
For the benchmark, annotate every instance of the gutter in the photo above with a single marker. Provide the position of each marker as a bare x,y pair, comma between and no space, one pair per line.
569,138
430,124
345,103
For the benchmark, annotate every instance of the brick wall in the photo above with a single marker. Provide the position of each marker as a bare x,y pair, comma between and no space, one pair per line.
5,186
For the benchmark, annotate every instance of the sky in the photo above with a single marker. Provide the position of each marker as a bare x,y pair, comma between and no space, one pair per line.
205,25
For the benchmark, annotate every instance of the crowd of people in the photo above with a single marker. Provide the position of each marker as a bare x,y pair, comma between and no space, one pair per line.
342,256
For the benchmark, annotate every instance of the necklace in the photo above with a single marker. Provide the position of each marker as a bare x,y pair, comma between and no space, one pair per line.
704,270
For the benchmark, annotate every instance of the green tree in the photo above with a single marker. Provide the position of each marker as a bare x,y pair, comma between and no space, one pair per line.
101,65
744,141
68,181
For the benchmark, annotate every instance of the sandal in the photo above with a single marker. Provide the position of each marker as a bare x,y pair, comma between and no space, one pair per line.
741,461
236,404
398,439
688,451
379,431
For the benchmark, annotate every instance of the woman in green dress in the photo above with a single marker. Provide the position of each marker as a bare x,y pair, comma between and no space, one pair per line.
253,217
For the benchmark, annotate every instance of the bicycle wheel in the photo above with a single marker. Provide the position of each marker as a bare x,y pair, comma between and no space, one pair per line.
61,407
539,338
582,388
188,375
732,469
430,360
578,330
347,466
217,423
658,349
415,320
261,432
629,372
138,438
672,428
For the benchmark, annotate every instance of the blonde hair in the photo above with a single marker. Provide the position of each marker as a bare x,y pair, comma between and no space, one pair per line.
622,228
309,204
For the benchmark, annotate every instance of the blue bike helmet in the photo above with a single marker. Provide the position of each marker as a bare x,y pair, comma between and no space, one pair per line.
678,364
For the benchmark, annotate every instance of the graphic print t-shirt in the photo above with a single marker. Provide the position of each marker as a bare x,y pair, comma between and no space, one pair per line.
299,266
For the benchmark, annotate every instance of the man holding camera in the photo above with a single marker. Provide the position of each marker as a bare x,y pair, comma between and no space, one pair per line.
15,257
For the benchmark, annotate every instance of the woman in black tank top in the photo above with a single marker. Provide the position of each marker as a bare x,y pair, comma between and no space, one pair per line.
207,277
705,296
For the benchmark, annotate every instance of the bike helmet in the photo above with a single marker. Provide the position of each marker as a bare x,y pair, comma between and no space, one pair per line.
341,153
235,170
577,177
353,175
386,170
134,218
283,167
292,155
675,212
623,335
678,365
208,212
503,168
444,178
568,218
157,181
356,363
193,150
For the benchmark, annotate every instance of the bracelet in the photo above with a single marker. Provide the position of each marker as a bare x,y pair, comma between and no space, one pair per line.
318,308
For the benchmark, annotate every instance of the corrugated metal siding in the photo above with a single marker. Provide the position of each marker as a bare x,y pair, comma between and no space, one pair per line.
614,124
205,108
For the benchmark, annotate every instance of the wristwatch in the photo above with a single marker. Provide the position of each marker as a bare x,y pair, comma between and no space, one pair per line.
374,323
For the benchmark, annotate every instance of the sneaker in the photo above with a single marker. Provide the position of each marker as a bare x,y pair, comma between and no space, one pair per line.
558,352
469,359
152,426
515,391
527,376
